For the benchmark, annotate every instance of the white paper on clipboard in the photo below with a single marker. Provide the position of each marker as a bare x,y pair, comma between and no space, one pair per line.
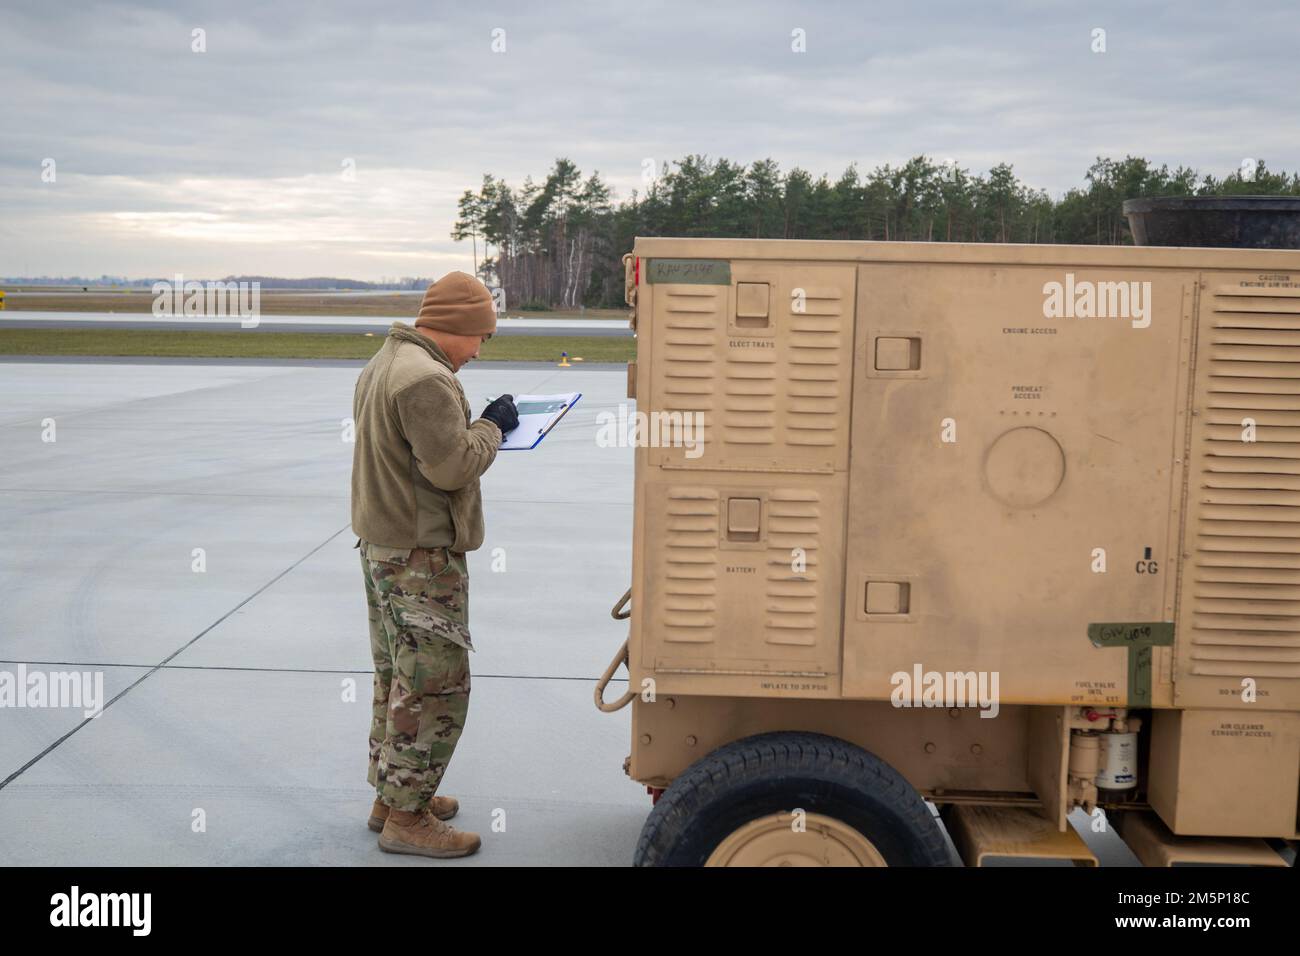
538,414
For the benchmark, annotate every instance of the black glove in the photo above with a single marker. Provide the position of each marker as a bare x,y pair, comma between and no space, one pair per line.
502,413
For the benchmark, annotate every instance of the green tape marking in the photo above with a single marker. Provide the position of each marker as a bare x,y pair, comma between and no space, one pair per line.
689,271
1139,638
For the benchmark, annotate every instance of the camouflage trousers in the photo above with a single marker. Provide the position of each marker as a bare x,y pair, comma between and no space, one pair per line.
418,602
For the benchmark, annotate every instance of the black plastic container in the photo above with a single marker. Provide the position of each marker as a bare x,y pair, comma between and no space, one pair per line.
1236,222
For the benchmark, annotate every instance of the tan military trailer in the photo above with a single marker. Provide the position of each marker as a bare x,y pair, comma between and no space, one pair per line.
1011,529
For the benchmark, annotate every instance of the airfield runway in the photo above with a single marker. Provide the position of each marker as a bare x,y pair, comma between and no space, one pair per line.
240,695
376,325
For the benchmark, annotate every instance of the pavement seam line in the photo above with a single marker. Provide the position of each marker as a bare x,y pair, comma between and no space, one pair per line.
285,670
163,663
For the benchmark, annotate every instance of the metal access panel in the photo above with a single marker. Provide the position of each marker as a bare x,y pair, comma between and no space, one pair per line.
1225,772
741,531
999,457
762,354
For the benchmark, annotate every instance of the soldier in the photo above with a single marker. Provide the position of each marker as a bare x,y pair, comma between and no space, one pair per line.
417,510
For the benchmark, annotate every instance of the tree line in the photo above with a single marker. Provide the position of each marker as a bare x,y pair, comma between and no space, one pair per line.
559,243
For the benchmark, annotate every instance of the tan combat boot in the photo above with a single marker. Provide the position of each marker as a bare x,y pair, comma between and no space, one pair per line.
444,808
423,834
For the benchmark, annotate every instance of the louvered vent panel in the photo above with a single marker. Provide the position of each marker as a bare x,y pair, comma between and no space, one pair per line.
1246,571
750,407
690,352
780,401
794,518
814,373
690,612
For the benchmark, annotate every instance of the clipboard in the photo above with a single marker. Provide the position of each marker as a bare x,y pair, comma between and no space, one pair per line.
538,414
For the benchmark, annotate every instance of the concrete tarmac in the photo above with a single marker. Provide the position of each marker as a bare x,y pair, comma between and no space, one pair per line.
243,691
239,694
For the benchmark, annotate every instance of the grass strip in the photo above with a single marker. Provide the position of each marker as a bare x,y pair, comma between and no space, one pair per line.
307,345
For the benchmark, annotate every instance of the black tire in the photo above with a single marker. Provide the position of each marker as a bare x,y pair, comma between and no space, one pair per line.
776,772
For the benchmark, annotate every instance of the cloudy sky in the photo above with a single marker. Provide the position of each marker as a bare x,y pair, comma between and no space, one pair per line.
235,159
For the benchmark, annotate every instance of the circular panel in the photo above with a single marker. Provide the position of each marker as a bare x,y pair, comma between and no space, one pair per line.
1024,467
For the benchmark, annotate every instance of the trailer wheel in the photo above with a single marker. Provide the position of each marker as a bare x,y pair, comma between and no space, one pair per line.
738,807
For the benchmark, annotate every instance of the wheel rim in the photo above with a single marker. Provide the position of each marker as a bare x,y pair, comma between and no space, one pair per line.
775,840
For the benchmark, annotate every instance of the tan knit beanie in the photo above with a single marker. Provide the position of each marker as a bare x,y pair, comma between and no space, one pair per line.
460,304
